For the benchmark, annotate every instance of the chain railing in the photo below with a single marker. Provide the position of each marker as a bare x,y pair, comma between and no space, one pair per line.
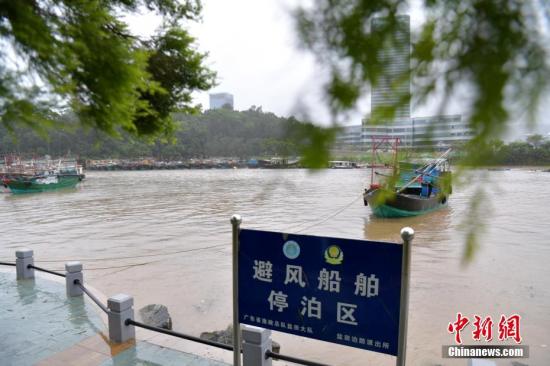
257,344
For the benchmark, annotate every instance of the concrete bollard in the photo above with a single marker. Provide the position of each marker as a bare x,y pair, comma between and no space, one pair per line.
120,309
256,342
24,258
73,271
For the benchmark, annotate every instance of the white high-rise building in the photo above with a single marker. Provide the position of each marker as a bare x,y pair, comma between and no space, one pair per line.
393,87
221,100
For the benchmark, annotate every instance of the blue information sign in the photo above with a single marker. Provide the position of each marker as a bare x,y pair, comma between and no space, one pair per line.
337,290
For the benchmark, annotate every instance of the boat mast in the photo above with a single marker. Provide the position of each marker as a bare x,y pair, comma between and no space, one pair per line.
395,147
378,143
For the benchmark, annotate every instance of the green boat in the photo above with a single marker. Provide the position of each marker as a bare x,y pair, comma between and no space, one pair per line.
389,204
39,175
418,189
41,183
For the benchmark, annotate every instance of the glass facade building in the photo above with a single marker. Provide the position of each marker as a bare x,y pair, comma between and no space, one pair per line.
417,133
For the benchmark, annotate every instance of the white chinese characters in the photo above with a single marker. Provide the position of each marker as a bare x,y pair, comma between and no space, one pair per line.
366,286
311,307
263,271
277,300
340,289
294,275
345,313
329,280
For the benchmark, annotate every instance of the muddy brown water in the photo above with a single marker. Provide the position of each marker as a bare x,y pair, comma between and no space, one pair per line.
115,221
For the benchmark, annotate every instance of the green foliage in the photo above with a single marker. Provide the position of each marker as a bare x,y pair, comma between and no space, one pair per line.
213,133
536,151
314,143
474,224
494,49
521,153
178,69
535,140
79,55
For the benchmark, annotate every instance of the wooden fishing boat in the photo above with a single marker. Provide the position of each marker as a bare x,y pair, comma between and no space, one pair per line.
411,190
41,182
407,201
40,176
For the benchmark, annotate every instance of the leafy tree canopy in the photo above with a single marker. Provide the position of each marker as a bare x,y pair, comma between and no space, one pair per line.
493,55
496,50
79,55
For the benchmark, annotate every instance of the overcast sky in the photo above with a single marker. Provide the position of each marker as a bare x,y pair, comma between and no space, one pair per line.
252,45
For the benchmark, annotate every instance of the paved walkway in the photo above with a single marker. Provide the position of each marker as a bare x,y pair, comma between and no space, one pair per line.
39,325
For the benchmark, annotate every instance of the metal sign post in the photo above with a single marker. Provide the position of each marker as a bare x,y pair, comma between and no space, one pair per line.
236,223
407,234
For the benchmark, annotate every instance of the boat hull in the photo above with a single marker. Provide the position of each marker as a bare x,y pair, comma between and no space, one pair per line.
35,185
402,205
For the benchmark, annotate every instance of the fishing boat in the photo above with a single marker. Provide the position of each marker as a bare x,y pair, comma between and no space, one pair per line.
411,189
41,183
342,164
278,163
32,177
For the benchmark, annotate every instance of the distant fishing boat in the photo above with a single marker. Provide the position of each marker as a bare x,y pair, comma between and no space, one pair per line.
342,164
41,183
277,163
412,189
31,177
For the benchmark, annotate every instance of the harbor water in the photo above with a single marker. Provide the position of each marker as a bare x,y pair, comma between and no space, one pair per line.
165,237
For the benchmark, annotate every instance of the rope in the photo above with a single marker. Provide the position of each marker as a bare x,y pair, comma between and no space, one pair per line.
339,211
290,228
113,267
57,270
135,256
118,258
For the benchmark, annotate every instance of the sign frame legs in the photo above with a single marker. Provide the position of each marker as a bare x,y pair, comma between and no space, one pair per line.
236,224
407,234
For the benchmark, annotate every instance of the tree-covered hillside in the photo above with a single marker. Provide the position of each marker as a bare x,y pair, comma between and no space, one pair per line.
219,132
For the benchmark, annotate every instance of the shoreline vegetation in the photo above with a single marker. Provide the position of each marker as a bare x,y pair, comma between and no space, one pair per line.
232,163
224,138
